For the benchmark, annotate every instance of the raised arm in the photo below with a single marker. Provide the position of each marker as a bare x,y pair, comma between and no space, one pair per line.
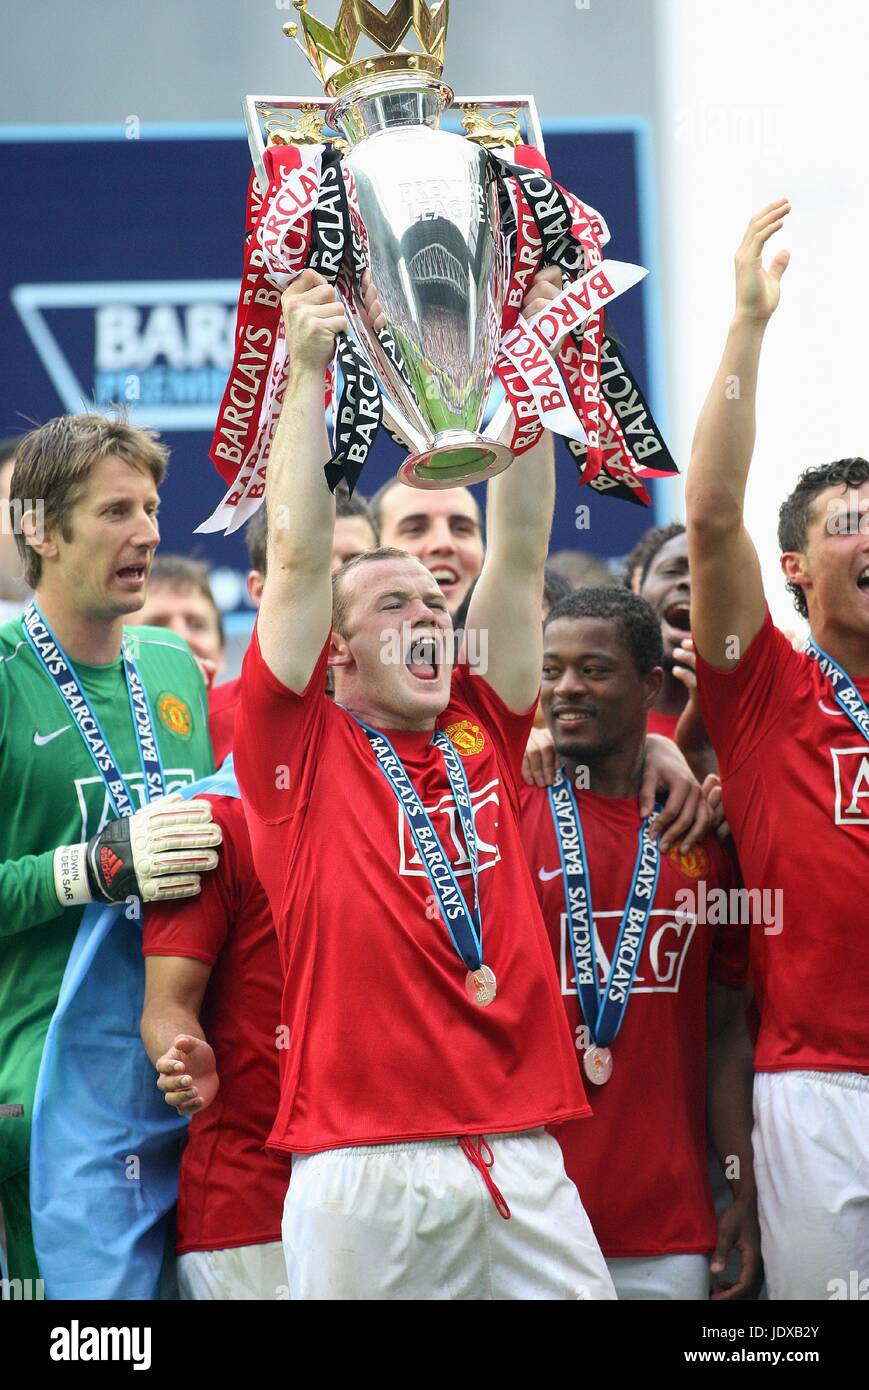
296,609
507,603
727,598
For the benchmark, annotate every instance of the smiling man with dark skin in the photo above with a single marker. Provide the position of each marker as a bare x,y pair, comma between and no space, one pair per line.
680,1045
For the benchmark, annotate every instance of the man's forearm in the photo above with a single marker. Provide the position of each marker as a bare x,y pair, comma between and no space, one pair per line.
730,1081
27,893
520,505
162,1021
725,434
301,509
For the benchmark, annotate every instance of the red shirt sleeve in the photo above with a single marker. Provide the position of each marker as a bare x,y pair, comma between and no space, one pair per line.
197,927
740,706
278,736
222,700
509,731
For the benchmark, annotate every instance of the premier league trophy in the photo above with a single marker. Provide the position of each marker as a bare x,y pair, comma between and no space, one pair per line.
429,206
431,239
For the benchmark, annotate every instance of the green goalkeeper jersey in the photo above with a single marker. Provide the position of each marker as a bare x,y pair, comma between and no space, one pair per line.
54,795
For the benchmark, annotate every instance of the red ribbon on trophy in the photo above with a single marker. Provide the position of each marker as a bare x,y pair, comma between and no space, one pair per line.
562,371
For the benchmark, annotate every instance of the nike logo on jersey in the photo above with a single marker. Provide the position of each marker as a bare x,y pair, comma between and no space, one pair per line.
546,874
41,739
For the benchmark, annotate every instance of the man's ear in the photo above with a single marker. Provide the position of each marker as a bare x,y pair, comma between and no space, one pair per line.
40,538
339,651
794,568
652,683
255,584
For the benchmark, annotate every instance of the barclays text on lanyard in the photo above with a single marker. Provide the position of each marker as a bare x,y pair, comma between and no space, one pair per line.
603,1011
465,927
846,694
62,675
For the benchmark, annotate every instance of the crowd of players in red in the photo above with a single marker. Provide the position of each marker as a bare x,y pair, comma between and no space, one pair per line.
498,1060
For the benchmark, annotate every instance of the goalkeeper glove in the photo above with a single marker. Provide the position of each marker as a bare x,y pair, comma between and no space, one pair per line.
158,852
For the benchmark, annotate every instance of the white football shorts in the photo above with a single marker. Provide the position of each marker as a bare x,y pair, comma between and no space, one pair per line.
811,1160
419,1221
239,1272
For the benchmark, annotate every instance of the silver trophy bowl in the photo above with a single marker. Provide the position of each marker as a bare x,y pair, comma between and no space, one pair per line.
429,206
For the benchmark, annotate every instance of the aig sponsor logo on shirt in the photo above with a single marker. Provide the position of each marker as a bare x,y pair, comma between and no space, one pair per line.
851,777
444,818
661,962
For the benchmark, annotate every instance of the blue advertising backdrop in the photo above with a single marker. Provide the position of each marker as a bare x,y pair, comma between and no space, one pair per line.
120,259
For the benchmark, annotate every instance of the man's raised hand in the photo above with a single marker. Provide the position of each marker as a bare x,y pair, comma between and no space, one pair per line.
313,318
758,289
546,286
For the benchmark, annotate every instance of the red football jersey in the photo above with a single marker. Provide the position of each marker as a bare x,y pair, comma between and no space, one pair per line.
640,1164
222,700
657,724
795,775
231,1192
385,1045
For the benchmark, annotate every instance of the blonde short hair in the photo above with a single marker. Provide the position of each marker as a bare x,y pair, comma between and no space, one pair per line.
53,464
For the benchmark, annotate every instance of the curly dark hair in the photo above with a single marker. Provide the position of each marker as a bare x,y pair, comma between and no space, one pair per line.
638,623
795,512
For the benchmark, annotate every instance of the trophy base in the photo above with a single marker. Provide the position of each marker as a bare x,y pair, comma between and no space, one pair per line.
457,459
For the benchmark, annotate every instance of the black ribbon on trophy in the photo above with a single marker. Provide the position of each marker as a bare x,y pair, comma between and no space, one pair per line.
359,406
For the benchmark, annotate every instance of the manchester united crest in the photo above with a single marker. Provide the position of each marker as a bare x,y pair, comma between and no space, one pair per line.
175,715
694,864
466,738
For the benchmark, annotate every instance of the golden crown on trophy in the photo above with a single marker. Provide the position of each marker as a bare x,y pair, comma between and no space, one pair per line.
331,51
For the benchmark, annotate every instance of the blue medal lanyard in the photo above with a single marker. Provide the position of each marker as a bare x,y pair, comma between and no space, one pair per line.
845,693
465,927
62,676
603,1011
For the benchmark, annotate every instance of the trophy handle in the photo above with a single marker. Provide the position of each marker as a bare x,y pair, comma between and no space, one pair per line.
310,128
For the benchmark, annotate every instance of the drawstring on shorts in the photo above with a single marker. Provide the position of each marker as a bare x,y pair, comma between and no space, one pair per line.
474,1154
